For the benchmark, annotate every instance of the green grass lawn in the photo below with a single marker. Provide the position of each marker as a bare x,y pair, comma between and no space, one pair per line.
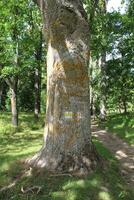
122,125
16,144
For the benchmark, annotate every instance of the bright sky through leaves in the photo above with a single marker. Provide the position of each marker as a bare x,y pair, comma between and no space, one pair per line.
115,5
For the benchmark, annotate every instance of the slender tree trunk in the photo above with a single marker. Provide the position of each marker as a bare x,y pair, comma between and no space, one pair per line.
119,108
14,109
103,88
125,106
91,88
37,84
67,138
37,93
103,67
13,84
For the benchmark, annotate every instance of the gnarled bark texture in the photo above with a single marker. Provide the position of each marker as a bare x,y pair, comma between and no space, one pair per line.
67,138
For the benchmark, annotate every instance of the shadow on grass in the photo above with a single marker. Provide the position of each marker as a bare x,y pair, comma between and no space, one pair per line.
122,125
100,185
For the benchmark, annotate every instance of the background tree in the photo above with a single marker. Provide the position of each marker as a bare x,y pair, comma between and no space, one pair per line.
20,53
98,19
111,36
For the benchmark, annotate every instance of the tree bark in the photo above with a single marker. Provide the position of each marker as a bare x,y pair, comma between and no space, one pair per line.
67,138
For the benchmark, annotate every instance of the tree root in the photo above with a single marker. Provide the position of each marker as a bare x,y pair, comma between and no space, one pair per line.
55,175
34,189
77,164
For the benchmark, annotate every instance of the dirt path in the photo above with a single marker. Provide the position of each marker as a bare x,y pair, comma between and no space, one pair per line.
121,150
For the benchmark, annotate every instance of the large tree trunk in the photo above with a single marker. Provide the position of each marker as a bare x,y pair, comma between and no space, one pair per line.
67,138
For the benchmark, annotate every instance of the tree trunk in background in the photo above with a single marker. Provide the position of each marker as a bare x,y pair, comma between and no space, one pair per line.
37,76
37,93
67,138
14,109
103,87
124,105
13,85
92,106
103,67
